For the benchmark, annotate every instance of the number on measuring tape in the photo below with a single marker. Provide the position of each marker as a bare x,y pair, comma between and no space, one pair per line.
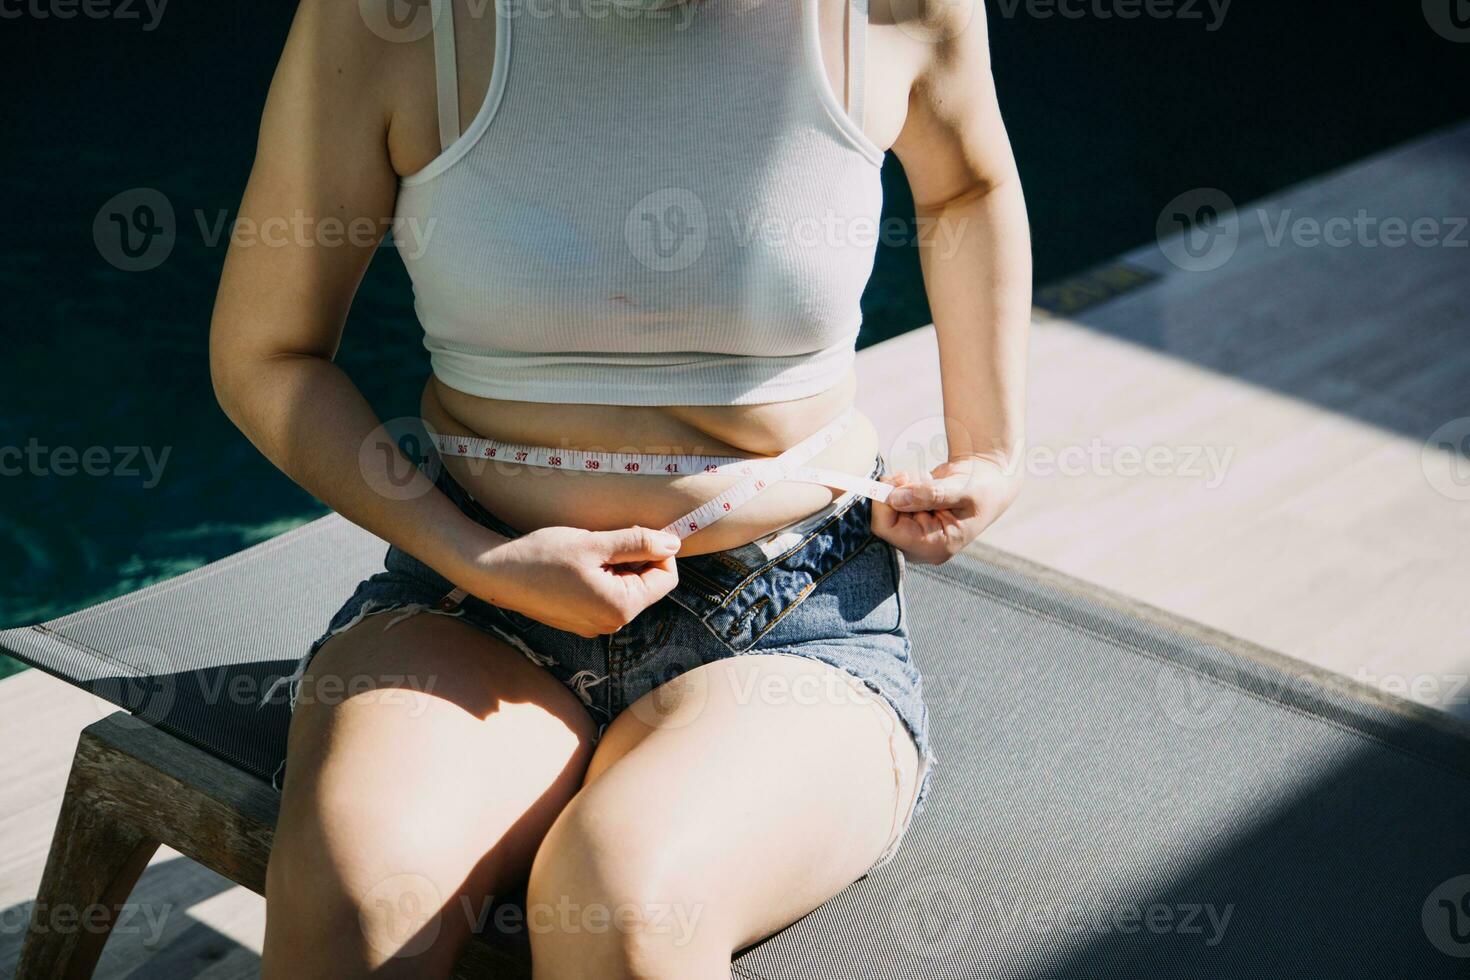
757,476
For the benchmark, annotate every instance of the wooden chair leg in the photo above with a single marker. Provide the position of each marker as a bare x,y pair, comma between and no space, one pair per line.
96,858
132,786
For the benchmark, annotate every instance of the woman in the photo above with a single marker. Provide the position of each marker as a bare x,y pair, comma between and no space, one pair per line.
640,232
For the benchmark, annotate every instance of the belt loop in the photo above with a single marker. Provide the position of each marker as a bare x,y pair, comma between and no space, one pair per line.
451,601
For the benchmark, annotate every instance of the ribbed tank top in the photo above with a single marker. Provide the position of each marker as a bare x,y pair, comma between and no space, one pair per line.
667,207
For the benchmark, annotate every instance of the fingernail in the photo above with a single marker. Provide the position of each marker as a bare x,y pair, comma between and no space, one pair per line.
900,498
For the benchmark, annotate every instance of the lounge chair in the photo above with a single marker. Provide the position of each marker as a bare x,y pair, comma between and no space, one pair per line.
1118,793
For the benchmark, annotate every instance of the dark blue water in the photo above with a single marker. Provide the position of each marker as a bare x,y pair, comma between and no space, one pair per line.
106,370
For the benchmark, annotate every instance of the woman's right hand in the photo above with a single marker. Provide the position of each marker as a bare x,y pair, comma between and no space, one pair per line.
584,582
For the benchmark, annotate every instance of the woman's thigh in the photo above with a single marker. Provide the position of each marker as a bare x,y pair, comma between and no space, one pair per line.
736,798
425,763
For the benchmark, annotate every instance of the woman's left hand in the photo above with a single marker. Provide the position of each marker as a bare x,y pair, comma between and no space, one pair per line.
932,517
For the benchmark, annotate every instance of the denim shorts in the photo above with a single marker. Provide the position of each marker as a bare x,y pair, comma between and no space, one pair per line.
823,588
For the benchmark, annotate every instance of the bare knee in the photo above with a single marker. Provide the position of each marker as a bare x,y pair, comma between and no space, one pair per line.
357,889
604,903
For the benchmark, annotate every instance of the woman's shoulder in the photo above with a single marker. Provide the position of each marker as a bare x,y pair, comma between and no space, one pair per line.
361,50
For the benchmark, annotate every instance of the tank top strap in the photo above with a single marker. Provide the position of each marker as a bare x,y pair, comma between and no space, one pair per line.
446,71
857,56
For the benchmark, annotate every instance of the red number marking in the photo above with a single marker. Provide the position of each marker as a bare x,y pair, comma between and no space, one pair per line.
554,461
631,467
592,464
521,456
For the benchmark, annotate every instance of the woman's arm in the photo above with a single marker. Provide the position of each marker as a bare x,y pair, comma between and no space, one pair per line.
321,163
976,260
322,169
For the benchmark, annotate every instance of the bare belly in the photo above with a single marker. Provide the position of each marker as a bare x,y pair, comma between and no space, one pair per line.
528,498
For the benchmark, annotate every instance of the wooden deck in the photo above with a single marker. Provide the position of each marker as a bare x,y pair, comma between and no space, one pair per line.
1314,374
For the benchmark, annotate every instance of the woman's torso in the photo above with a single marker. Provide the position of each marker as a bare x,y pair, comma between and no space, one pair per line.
528,498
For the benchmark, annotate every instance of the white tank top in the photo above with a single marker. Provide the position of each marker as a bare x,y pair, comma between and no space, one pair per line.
668,206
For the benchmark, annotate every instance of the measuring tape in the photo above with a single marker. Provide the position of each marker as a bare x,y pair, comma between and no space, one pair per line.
758,475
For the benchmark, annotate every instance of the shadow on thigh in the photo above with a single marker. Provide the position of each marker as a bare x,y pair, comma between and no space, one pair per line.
425,763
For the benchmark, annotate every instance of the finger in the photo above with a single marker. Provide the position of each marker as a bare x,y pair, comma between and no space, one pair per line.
631,544
910,539
931,494
653,582
660,577
929,524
